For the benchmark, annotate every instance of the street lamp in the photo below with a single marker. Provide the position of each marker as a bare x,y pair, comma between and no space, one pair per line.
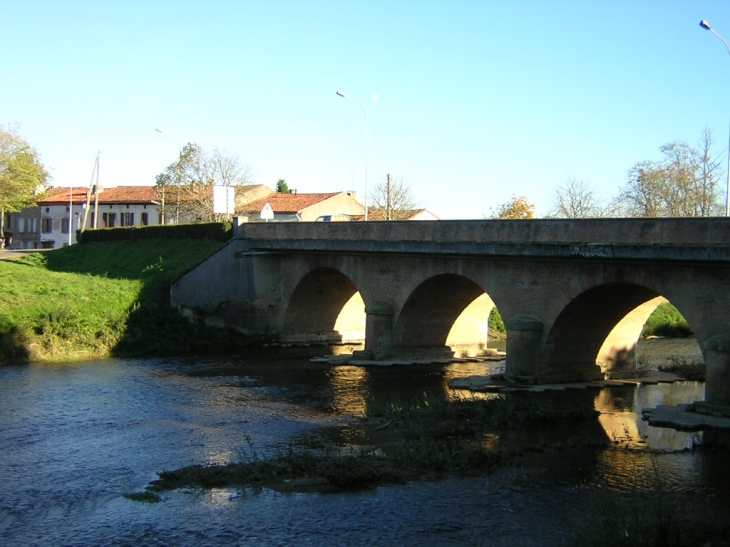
367,131
705,25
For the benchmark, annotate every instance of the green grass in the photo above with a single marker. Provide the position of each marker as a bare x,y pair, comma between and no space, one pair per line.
667,321
101,299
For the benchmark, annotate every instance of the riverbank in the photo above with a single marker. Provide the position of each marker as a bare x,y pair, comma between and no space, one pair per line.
102,299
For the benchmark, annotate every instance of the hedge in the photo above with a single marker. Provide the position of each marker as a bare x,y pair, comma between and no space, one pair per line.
220,231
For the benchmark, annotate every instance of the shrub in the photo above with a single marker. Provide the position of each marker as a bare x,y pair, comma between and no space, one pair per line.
668,322
219,231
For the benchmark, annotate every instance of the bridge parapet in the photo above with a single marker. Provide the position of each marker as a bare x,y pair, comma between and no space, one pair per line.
644,231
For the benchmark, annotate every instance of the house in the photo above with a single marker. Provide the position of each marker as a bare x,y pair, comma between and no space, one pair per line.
21,229
65,210
252,192
302,207
399,214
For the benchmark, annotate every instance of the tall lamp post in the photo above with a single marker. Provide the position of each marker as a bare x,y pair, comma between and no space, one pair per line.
705,25
367,131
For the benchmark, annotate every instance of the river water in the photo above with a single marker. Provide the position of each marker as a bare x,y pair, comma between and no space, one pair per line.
76,437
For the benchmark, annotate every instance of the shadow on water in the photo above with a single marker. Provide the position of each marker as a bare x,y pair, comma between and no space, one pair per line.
345,391
77,437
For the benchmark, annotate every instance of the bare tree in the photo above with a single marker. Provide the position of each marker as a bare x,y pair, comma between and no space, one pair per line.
393,199
574,199
186,186
682,184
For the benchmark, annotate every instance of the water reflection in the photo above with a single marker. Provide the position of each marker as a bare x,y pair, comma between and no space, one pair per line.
75,438
349,388
621,407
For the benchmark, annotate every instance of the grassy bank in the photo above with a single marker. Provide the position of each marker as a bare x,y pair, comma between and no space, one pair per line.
101,299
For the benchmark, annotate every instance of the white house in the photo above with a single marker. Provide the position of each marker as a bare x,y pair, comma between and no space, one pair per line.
304,207
65,210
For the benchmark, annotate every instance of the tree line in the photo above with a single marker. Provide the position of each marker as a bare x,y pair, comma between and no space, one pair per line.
684,182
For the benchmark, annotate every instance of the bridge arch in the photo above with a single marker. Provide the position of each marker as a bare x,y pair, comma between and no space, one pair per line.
325,306
597,332
445,314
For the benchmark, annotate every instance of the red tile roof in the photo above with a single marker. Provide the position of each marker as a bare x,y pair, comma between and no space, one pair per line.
286,203
118,194
380,214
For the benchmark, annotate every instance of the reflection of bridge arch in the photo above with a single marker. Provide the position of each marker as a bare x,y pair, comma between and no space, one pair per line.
324,306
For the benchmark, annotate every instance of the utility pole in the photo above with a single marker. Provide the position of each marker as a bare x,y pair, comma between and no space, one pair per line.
387,201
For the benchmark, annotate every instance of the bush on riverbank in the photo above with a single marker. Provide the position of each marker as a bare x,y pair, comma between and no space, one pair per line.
666,321
102,299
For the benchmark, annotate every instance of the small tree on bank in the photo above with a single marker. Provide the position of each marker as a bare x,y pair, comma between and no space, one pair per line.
22,175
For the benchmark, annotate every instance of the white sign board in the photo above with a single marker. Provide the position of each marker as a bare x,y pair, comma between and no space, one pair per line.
267,213
224,202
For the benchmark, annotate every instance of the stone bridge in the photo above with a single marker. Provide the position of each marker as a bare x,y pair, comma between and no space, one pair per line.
574,294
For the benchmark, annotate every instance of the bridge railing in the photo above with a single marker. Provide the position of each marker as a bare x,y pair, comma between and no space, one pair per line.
643,231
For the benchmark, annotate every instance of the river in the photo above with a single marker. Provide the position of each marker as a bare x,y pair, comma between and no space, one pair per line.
76,437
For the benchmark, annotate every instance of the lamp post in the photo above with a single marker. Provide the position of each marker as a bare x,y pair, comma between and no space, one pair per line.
705,25
367,131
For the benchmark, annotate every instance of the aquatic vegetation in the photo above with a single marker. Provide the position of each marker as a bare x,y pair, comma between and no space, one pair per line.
425,438
653,518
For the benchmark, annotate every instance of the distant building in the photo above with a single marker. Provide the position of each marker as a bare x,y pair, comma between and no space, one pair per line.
252,192
399,214
65,210
302,207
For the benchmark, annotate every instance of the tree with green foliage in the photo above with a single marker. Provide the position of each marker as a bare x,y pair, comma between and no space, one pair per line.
515,208
282,187
22,175
186,186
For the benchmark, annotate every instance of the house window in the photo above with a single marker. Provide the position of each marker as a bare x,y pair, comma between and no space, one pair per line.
46,225
108,220
145,219
32,225
64,225
126,219
21,225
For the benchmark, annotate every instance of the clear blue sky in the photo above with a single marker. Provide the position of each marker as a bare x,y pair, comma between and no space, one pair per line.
469,102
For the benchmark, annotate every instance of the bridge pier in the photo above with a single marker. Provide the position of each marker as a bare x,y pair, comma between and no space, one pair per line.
524,339
378,331
717,377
